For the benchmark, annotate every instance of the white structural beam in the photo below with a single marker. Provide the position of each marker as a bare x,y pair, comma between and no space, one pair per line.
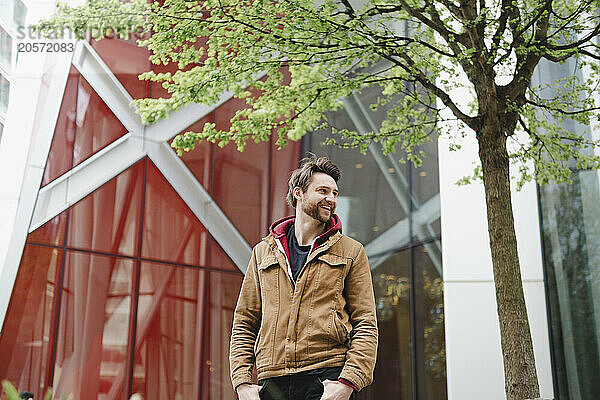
139,142
88,176
201,204
107,86
179,120
40,74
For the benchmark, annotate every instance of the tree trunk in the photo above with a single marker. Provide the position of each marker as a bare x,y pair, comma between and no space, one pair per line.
517,347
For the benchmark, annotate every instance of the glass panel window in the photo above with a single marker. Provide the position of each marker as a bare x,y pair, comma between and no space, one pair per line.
198,160
171,230
283,162
60,157
571,233
373,203
4,94
425,189
183,328
240,183
108,219
429,322
126,69
393,208
20,12
570,237
5,49
51,233
392,299
25,343
91,352
6,10
97,126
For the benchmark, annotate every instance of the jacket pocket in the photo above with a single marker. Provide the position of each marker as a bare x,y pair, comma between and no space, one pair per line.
332,270
343,335
268,273
333,260
268,276
267,262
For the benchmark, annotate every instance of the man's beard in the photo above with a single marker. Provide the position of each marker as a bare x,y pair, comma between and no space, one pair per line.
312,210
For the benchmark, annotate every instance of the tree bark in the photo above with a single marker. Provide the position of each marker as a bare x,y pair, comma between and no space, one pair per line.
517,347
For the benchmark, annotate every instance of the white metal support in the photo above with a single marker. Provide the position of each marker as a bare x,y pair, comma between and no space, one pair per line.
200,202
166,129
106,85
139,142
28,90
86,177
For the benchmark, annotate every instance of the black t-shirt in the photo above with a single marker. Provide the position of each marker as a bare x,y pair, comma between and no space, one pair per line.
298,254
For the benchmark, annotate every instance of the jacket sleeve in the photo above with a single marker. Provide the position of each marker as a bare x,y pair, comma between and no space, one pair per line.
246,322
360,303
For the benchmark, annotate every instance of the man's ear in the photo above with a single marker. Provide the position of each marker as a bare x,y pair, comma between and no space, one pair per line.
298,193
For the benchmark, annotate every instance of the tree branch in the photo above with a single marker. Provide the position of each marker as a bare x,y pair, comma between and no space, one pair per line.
560,110
526,65
440,93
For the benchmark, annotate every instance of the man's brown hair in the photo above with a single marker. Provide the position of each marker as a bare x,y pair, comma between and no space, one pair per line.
302,176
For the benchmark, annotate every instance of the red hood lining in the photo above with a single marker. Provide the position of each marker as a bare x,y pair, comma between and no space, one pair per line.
279,228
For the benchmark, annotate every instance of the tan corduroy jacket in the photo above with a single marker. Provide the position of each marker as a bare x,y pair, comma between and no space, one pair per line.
326,319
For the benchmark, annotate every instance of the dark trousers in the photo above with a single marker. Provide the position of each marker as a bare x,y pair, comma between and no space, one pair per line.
303,386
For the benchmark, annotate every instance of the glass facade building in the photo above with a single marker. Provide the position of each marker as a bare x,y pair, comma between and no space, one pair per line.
570,222
12,17
132,257
130,288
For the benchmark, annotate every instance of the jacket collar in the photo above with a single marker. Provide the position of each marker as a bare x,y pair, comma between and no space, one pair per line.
279,228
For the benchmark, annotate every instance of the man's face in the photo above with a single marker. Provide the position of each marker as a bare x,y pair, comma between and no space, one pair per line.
320,199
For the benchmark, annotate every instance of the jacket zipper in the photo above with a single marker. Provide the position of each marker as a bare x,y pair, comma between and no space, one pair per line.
313,253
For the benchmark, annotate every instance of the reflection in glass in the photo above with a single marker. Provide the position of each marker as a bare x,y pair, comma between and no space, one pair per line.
60,157
571,233
97,126
125,69
429,317
107,219
393,208
5,49
367,205
52,232
4,94
182,336
247,173
20,12
91,353
25,344
171,230
383,200
392,298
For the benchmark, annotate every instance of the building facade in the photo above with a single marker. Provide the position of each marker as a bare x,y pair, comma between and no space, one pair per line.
12,16
133,258
120,262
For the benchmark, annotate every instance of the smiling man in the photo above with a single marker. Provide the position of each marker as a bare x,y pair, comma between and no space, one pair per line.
306,310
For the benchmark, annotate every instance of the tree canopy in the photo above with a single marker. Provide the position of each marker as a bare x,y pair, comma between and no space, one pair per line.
419,49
